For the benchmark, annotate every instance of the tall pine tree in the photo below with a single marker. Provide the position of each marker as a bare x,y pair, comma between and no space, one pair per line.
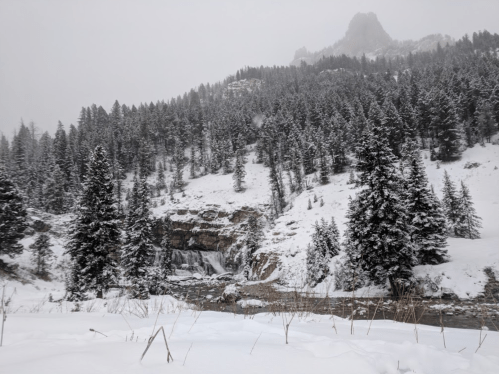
12,217
137,253
468,222
94,237
378,232
426,216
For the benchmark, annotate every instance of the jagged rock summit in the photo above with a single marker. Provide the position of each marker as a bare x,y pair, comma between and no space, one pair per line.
366,36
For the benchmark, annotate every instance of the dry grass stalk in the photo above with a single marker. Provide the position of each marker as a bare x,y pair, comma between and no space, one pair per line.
98,332
255,342
4,315
151,339
195,321
442,323
185,358
374,315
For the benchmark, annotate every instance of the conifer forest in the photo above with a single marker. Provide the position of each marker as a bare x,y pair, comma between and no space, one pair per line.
354,187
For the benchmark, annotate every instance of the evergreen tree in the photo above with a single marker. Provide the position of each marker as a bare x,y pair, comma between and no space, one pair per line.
160,180
192,162
322,157
378,234
42,254
246,262
296,167
178,159
325,245
468,222
239,172
138,252
12,217
119,175
317,266
253,238
426,217
94,236
450,203
62,156
166,246
54,196
485,120
446,126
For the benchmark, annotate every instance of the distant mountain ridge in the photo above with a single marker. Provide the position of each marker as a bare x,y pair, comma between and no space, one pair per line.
365,35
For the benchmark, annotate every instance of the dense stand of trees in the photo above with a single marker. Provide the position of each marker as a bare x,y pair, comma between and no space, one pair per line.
301,120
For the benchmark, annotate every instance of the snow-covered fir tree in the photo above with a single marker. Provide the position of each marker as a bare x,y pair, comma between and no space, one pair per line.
163,267
378,232
239,172
94,236
325,245
429,232
119,175
166,246
253,238
54,195
450,203
42,254
468,223
178,160
160,177
137,253
445,123
12,217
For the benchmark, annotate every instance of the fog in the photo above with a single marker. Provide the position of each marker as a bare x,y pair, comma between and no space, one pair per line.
57,56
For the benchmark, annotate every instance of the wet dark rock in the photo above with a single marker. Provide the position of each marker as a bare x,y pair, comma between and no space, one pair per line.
40,226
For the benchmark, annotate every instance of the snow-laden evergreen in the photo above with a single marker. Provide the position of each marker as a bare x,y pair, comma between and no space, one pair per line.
378,232
450,203
468,222
94,236
239,172
325,245
137,253
429,232
163,268
12,217
42,254
253,240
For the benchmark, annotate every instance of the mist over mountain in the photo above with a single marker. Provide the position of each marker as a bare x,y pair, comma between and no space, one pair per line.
366,35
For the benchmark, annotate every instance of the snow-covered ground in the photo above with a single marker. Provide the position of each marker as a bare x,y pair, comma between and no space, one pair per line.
46,337
213,342
463,274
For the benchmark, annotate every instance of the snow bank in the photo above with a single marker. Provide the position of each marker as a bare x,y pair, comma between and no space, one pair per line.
225,343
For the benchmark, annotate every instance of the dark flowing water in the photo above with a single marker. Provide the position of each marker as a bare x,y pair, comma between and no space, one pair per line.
468,314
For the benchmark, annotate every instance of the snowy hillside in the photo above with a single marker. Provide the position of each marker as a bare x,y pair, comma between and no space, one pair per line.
288,238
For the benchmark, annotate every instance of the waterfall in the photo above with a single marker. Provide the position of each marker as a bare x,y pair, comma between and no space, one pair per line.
199,261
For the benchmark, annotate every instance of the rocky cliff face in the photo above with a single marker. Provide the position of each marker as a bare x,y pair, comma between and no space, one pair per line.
197,232
365,35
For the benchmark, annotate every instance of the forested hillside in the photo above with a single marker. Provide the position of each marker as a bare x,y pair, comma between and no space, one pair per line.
317,120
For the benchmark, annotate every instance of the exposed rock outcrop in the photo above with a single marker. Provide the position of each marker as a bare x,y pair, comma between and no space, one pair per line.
365,35
209,230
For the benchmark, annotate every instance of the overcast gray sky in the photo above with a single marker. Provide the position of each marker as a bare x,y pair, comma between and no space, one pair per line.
59,55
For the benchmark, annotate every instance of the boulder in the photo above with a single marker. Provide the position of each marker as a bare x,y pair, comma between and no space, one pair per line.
230,295
40,226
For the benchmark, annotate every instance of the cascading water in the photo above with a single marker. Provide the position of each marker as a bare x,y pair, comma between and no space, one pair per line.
209,262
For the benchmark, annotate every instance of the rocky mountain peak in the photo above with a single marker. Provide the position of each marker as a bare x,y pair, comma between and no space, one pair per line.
364,34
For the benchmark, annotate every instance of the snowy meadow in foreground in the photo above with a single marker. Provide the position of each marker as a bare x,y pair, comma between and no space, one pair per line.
213,342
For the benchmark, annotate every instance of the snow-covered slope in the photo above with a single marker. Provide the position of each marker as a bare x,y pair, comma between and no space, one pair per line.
213,342
463,273
284,242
